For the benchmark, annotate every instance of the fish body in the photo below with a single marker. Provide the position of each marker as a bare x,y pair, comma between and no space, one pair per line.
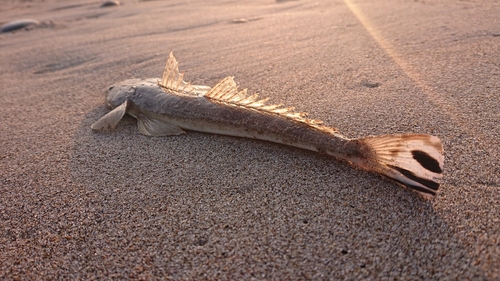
170,106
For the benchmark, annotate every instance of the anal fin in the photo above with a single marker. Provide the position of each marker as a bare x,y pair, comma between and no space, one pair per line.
157,127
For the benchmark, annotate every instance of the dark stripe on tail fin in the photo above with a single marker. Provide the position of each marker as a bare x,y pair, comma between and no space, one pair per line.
426,161
417,188
428,183
415,161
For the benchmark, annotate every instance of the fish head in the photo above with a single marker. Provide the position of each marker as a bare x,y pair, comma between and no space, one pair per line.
118,93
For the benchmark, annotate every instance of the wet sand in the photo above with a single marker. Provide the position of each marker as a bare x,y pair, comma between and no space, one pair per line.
81,205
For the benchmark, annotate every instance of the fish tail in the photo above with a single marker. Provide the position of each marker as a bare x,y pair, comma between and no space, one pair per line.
416,161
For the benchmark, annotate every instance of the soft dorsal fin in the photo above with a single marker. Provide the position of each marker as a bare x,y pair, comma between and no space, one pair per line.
226,92
173,81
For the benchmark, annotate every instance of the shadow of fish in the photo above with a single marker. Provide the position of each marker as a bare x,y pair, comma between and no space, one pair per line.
170,106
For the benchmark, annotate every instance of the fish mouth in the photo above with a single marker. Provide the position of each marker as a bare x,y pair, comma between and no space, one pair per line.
109,104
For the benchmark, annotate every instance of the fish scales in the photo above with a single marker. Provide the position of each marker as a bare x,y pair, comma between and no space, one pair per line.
186,112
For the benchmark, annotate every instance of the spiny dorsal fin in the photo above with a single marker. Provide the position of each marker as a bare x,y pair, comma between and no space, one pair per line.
173,81
226,92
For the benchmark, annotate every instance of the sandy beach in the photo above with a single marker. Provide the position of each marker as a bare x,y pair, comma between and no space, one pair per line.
82,205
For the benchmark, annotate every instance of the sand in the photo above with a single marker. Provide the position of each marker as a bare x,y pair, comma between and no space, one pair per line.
81,205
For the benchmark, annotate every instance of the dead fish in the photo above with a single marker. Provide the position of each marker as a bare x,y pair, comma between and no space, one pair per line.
169,106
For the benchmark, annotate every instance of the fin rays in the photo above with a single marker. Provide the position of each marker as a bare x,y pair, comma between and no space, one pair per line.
111,119
173,80
226,91
413,160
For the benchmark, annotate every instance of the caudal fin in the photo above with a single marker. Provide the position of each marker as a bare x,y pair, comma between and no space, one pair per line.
415,161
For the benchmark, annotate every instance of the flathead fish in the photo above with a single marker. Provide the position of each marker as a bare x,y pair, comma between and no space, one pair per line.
170,106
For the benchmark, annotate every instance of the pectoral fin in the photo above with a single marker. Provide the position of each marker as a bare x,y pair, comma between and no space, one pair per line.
111,119
156,127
